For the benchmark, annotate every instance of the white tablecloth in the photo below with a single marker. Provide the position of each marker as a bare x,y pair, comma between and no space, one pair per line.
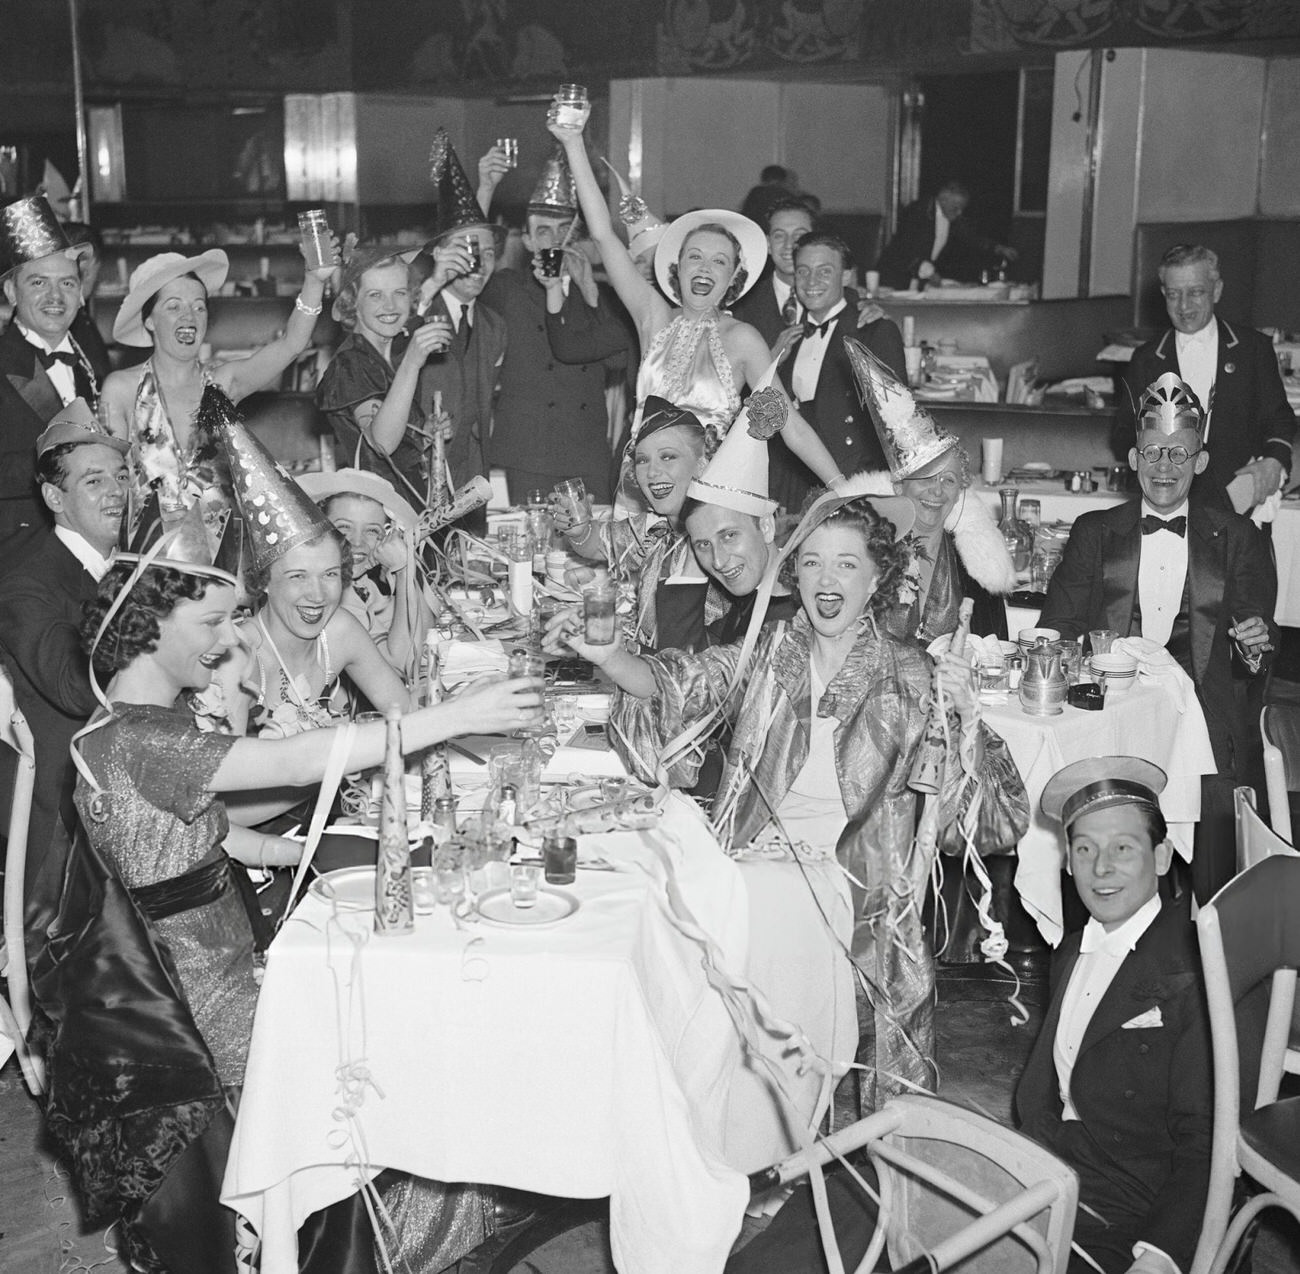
586,1059
1145,722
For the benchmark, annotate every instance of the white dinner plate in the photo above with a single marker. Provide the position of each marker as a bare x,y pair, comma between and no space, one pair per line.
553,905
353,889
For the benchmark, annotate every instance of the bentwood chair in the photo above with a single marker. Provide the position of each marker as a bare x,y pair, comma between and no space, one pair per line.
956,1189
1250,949
1279,727
14,734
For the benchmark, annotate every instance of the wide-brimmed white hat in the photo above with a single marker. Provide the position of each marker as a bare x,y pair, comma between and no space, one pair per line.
753,244
151,276
320,486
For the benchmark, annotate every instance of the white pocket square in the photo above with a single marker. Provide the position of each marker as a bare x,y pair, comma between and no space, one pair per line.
1143,1021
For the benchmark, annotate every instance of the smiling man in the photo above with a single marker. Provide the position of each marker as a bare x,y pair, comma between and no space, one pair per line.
1230,368
1180,569
1118,1082
83,477
42,367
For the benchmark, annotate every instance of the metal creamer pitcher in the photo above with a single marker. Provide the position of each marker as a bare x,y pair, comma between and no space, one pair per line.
1044,686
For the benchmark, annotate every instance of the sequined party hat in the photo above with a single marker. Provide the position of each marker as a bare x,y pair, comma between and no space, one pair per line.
555,194
644,229
278,515
458,209
1169,405
908,434
29,231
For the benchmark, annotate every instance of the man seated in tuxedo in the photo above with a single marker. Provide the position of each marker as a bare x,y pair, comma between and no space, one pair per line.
1233,372
817,374
1194,577
1118,1082
42,365
83,476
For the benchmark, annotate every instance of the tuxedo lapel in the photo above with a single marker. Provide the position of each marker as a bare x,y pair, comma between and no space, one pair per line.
1119,581
1206,584
1040,1070
29,379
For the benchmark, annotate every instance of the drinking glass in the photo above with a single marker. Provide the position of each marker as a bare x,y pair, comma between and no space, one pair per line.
525,878
598,615
1102,639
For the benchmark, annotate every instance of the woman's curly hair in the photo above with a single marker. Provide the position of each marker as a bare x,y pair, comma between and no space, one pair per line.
134,629
739,279
893,557
256,579
363,260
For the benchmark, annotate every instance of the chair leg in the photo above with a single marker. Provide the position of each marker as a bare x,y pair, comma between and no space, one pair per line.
1246,1219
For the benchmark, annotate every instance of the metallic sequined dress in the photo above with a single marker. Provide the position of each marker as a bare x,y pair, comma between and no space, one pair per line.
157,821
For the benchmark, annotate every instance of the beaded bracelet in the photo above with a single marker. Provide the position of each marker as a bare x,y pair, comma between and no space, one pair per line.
303,308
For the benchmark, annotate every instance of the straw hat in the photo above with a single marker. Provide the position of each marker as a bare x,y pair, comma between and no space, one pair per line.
151,276
29,231
320,486
753,244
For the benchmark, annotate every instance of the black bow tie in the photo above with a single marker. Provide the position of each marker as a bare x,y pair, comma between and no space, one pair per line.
1151,524
817,329
50,357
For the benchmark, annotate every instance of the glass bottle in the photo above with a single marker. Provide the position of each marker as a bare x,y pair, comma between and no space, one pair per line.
1018,538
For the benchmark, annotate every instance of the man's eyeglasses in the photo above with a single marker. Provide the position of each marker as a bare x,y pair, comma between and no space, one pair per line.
950,482
1177,455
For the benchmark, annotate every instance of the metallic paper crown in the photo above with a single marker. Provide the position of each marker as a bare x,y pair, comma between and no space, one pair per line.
644,229
277,513
1169,405
184,543
29,231
555,192
908,434
458,209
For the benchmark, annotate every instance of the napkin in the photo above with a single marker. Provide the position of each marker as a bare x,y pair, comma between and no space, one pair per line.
978,649
464,661
1154,661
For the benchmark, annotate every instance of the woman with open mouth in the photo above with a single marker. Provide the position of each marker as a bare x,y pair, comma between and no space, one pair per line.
694,353
827,716
155,406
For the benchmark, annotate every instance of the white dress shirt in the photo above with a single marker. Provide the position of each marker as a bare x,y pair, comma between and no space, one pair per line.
1162,571
457,309
941,228
783,292
1198,362
811,354
60,374
84,551
1100,955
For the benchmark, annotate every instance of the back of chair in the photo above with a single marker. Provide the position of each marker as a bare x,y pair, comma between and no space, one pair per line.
14,734
955,1153
1279,726
1255,839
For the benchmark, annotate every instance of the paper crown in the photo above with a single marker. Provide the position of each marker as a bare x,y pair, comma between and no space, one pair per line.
76,424
736,477
277,513
555,192
908,434
183,542
644,229
1169,405
29,231
458,209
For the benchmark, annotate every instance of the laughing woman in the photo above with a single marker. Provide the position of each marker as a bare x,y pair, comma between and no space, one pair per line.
156,406
694,354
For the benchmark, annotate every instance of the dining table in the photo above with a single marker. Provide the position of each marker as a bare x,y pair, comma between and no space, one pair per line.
652,1045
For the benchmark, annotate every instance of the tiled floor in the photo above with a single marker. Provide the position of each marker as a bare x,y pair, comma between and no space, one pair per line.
980,1051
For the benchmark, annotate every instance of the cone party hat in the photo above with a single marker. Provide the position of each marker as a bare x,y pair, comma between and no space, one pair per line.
643,228
458,209
555,194
736,477
278,514
908,434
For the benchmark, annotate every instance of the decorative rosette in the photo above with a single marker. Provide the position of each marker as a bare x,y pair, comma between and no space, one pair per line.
631,209
767,411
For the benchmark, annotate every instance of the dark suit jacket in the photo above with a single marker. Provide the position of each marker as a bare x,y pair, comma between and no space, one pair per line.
550,416
466,376
964,254
1251,416
40,618
836,411
759,309
1230,572
1141,1145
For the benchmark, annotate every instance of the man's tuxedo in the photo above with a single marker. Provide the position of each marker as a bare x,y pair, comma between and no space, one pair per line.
28,402
836,411
40,619
963,256
1251,416
1230,575
1141,1087
759,309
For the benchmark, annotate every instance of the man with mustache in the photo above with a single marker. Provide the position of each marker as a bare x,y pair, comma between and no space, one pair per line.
83,482
42,366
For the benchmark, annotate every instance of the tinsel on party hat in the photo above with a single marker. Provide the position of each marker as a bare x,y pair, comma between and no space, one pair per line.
458,209
908,434
278,514
555,194
1169,405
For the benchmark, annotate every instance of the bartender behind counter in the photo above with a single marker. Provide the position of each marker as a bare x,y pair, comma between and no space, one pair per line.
934,238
